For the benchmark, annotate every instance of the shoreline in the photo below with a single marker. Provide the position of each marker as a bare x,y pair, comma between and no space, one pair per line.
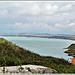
38,37
27,57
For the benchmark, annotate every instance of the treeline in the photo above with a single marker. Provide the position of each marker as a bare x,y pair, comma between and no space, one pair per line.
11,55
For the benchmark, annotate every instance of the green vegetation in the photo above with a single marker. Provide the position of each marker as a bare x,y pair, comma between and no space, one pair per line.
44,71
11,55
3,70
28,68
71,50
20,68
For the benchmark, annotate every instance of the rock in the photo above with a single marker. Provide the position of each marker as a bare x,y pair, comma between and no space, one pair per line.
67,51
41,70
28,69
34,71
49,70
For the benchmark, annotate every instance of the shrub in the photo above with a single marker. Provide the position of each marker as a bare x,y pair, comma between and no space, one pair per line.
28,68
20,69
3,69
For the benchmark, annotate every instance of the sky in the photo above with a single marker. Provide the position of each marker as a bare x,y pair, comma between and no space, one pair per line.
52,17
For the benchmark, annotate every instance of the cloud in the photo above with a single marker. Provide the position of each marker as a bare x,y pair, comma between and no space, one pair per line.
66,7
16,9
19,9
27,26
38,16
35,8
43,27
3,13
63,27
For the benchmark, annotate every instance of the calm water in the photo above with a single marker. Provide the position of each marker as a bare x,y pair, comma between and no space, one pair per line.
43,46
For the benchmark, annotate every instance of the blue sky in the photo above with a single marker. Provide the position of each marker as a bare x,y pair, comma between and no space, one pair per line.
37,17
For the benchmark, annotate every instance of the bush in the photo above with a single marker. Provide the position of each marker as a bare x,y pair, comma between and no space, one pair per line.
20,69
28,68
3,69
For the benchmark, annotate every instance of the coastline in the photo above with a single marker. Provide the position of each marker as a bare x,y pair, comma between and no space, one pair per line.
46,61
39,37
30,49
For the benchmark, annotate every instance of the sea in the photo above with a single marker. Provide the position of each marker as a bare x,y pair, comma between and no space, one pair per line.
43,46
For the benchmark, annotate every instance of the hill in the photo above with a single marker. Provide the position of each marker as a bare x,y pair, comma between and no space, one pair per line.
13,55
71,50
57,36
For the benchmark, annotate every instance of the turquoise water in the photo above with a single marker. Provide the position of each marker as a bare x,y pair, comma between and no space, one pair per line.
43,46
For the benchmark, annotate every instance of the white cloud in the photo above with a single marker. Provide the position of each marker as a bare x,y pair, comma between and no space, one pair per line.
62,27
17,9
3,13
44,27
29,8
45,16
66,7
36,9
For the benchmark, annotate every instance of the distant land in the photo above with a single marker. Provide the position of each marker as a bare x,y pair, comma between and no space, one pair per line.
38,35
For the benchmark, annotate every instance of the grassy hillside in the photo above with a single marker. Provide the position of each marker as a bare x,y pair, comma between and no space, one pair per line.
71,50
11,54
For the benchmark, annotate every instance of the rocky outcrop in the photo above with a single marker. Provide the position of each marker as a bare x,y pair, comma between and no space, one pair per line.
71,50
67,51
27,69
